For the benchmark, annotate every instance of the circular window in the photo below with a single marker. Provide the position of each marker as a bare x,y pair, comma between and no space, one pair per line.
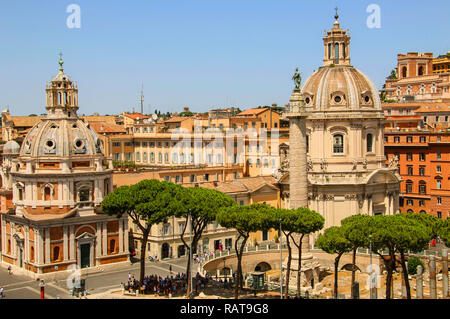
78,143
50,144
307,100
74,126
337,99
367,99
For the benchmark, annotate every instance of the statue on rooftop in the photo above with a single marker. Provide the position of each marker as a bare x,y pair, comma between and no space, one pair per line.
297,79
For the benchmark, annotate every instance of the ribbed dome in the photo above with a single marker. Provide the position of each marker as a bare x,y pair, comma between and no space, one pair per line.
61,137
11,147
340,88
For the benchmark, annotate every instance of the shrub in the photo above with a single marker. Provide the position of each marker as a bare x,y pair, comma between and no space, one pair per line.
413,262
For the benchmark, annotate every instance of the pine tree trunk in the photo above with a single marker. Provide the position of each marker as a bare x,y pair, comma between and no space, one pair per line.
143,250
352,295
299,275
288,267
336,278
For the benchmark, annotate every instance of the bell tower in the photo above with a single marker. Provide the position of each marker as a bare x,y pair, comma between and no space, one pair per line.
336,45
62,95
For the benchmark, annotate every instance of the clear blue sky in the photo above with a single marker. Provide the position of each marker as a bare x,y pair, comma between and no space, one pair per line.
197,53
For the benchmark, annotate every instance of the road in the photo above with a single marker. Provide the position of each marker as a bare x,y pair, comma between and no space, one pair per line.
22,287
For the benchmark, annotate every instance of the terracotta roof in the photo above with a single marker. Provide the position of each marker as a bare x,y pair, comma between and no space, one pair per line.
434,107
224,187
136,115
254,111
23,121
176,119
254,183
103,127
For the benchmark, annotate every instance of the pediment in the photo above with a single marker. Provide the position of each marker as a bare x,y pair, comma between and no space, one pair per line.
85,235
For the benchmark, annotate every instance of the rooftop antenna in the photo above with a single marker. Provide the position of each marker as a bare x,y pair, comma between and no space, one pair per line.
142,99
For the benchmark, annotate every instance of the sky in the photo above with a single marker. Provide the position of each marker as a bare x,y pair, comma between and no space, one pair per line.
200,54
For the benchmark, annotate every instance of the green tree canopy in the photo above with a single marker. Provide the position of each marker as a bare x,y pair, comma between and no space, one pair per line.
444,231
201,205
147,203
333,241
302,221
245,219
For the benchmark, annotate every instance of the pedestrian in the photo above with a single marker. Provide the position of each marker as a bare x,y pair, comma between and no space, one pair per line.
129,276
9,270
170,269
1,292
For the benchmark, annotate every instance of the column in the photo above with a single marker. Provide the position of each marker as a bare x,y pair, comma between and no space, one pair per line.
419,283
98,240
40,246
104,239
445,291
432,272
72,242
47,245
121,235
3,233
66,243
126,240
13,242
26,244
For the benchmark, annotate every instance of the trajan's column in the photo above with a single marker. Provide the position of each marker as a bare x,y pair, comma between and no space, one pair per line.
297,114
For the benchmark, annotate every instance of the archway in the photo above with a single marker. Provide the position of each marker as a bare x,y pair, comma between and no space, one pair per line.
349,267
263,266
165,251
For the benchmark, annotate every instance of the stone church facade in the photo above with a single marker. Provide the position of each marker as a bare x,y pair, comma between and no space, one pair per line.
58,179
345,162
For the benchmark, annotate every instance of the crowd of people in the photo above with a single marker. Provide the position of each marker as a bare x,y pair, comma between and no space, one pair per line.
171,285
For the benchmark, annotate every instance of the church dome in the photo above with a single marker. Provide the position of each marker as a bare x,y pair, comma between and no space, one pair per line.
61,137
11,147
340,88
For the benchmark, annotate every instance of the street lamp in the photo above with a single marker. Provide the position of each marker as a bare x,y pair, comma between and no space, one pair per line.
281,263
42,285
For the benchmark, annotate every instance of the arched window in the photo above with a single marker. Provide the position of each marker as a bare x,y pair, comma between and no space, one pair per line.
65,98
410,211
8,248
112,246
55,253
329,51
343,50
307,143
336,53
369,141
20,192
424,212
404,72
420,70
338,144
84,194
59,98
47,193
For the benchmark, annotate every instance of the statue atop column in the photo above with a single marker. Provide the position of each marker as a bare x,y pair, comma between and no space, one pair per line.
297,79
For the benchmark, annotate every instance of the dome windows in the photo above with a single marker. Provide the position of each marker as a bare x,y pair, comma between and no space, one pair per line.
366,98
80,146
338,99
308,99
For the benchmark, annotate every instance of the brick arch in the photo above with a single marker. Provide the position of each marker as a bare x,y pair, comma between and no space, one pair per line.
253,264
